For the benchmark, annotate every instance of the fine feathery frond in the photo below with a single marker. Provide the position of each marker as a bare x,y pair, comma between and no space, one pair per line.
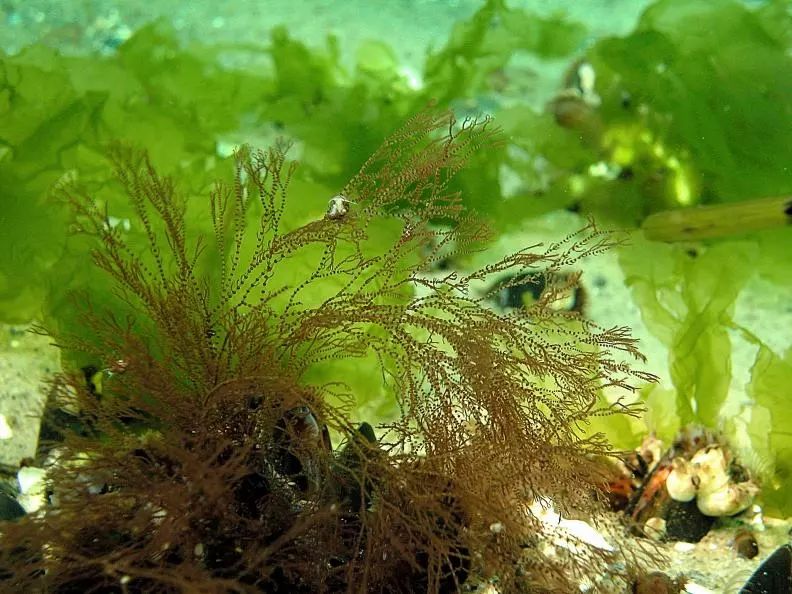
229,483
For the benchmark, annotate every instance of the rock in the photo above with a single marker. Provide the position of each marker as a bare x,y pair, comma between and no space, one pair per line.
685,522
26,360
774,575
9,507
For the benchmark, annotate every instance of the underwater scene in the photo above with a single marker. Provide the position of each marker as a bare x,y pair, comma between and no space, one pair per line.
416,296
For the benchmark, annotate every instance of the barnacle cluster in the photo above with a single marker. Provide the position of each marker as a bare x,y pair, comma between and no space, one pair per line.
706,478
681,489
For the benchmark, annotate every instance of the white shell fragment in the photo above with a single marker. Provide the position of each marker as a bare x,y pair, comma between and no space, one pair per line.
337,207
586,533
655,528
32,488
5,429
30,479
685,547
693,588
562,529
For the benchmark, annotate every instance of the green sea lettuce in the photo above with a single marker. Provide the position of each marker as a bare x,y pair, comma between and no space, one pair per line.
771,377
480,48
684,108
687,301
718,97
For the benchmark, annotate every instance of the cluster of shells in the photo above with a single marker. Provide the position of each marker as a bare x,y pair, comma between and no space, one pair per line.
678,491
707,479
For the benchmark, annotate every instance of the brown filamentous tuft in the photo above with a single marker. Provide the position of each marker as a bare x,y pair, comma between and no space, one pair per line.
206,465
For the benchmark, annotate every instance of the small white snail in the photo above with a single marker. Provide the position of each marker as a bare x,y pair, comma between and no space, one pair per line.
337,207
729,500
711,466
682,482
587,77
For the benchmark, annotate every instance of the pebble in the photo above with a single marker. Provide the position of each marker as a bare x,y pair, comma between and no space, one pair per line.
32,488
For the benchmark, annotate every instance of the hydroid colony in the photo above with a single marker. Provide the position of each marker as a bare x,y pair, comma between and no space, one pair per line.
206,464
